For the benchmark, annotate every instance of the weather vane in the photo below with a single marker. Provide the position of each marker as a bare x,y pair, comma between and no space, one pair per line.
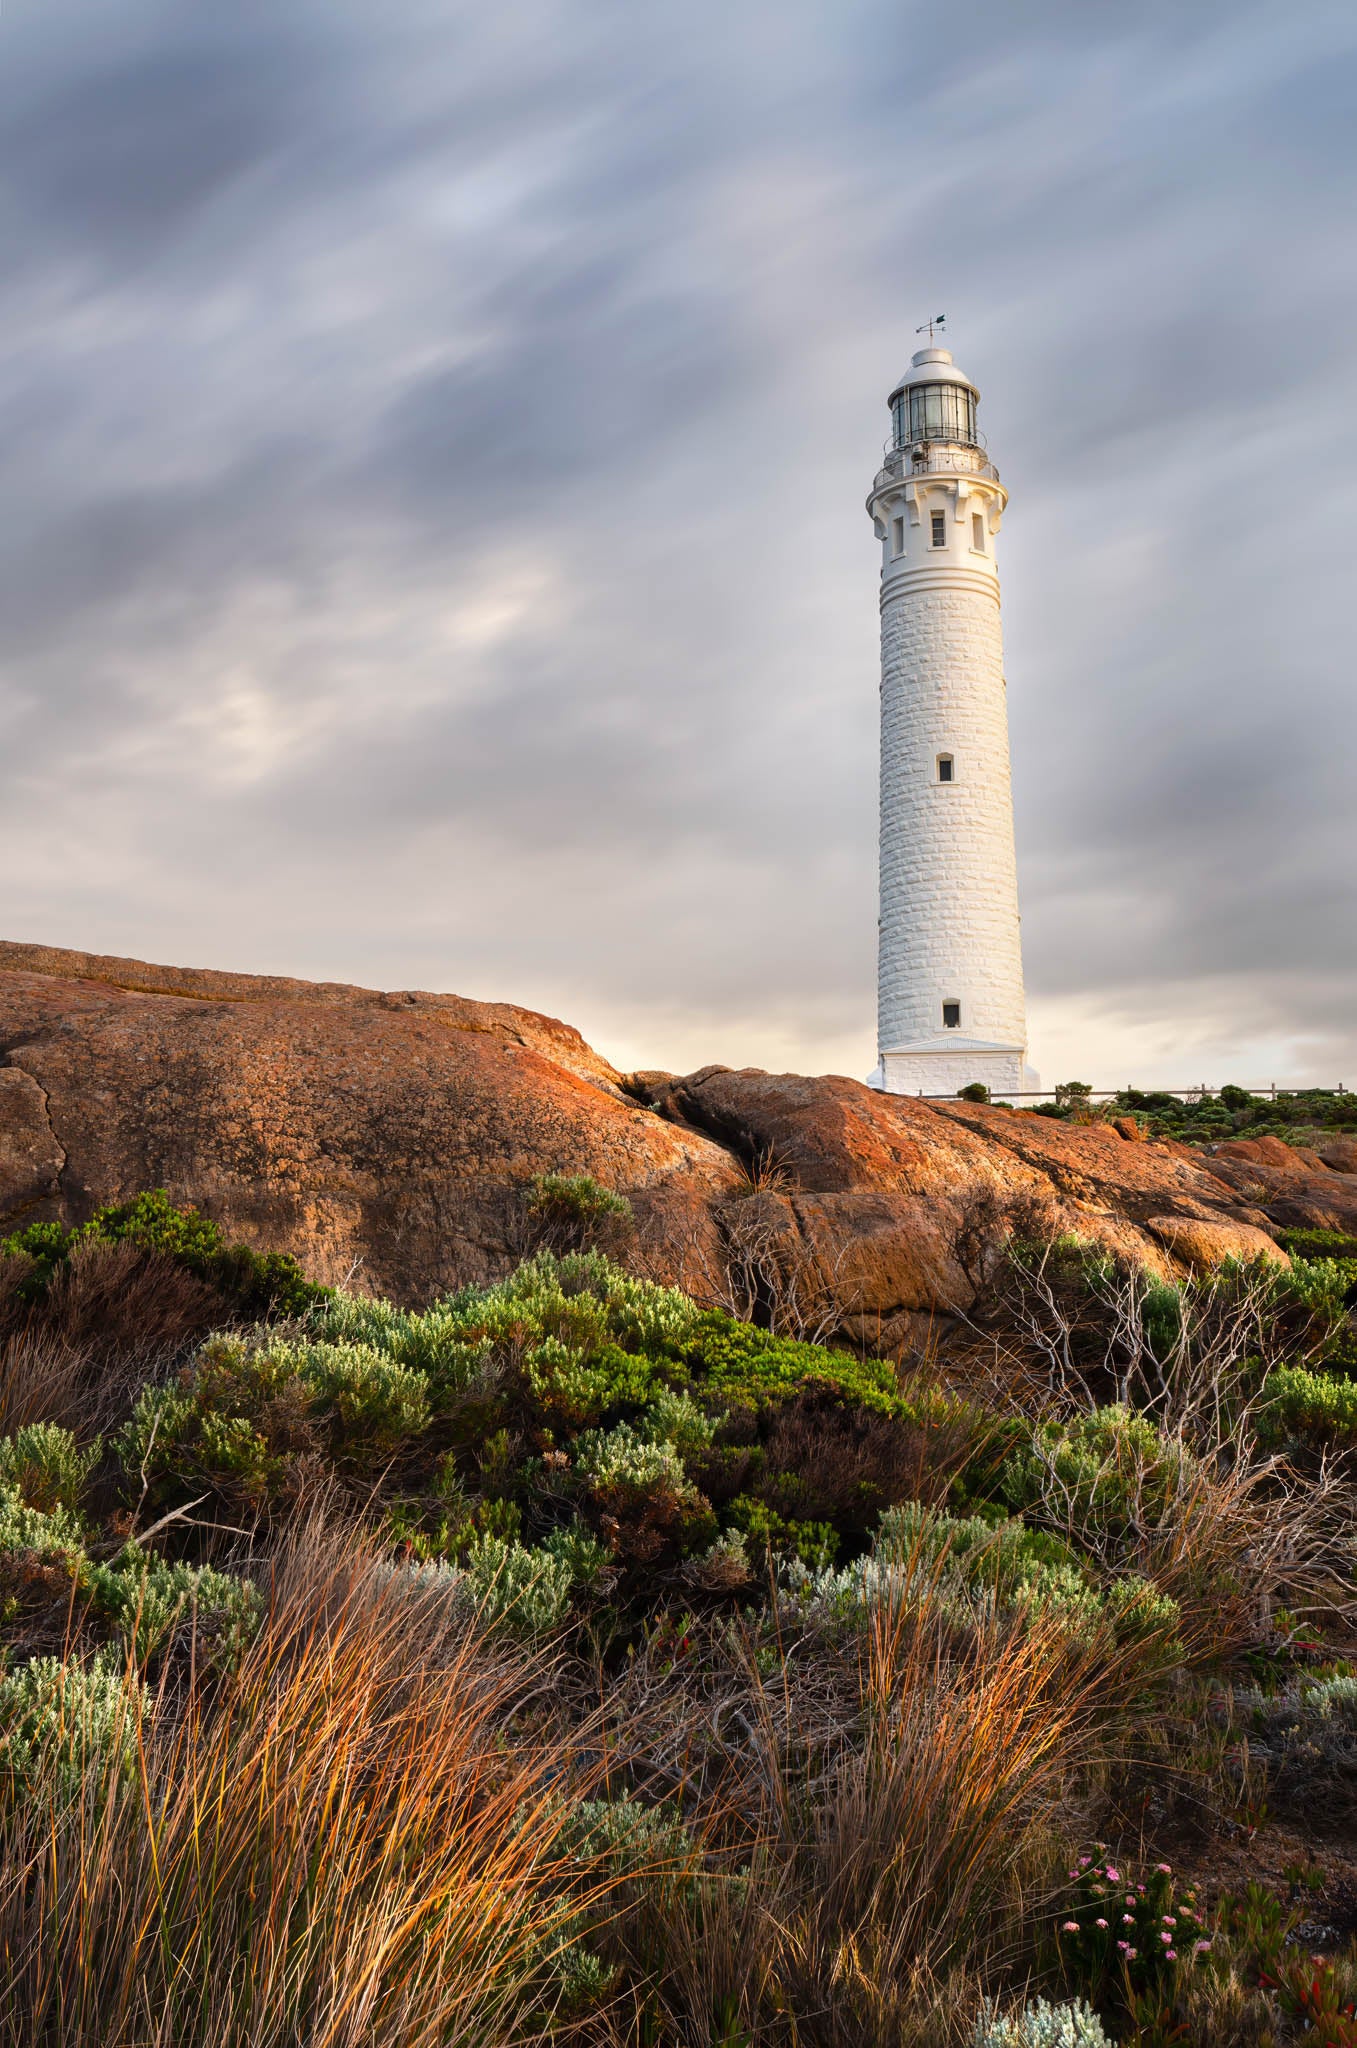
936,324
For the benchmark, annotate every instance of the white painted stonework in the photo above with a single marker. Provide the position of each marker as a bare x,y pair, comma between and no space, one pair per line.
949,931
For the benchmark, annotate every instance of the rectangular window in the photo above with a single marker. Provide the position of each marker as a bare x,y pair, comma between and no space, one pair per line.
939,529
898,534
978,532
951,1015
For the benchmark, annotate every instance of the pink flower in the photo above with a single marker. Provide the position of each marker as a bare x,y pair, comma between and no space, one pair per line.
1131,1954
1084,1862
1125,1947
1172,1954
1102,1923
1113,1876
1169,1920
1128,1919
1164,1937
1070,1927
1199,1948
1164,1869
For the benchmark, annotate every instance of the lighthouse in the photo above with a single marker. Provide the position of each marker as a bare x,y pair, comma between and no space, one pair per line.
950,1005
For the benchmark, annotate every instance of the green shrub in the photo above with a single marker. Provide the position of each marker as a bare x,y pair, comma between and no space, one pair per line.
146,1598
526,1591
1106,1471
256,1284
1314,1406
1124,1935
571,1211
55,1533
627,1460
430,1341
974,1091
779,1537
67,1725
972,1567
46,1466
577,1391
580,1551
1318,1244
242,1412
749,1368
1010,1566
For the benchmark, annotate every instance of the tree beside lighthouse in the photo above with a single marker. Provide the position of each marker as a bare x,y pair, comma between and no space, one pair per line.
950,1004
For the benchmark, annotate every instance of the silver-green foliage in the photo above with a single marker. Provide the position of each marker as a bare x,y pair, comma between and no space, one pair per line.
1040,2025
973,1568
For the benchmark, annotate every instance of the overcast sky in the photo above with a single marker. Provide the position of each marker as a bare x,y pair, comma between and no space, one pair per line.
432,546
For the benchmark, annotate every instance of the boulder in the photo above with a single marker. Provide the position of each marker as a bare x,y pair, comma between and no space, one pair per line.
386,1136
1200,1245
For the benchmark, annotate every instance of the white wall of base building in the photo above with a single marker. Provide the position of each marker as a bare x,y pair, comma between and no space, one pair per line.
1003,1069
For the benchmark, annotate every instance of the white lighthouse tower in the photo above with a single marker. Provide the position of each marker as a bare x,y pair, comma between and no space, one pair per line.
950,993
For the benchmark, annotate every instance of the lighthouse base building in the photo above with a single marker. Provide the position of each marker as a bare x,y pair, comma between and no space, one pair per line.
951,1007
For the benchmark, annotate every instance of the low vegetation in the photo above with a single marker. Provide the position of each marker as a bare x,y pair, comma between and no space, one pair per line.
1302,1116
570,1660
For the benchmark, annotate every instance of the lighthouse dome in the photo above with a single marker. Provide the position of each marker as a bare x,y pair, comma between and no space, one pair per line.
934,401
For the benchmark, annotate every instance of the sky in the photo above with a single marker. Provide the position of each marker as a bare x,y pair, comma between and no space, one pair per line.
432,544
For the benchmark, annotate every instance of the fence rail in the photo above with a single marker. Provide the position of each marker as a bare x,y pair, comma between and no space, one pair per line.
1196,1093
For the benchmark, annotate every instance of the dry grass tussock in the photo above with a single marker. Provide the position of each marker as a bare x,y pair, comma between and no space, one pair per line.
874,1842
335,1846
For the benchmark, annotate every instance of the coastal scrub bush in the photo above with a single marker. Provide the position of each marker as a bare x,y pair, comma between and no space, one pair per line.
1105,1472
977,1569
254,1284
246,1409
1125,1934
65,1725
1039,2025
1315,1407
46,1466
569,1212
147,1598
138,1594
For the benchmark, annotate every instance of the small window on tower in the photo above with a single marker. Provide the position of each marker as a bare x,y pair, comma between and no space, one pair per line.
944,768
951,1015
898,534
978,532
939,529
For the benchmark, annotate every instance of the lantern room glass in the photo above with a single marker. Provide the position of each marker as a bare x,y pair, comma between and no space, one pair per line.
935,412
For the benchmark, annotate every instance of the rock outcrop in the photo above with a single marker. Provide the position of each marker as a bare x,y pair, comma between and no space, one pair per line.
392,1135
385,1134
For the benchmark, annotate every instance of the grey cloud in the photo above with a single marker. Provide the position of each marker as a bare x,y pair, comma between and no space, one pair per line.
432,547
